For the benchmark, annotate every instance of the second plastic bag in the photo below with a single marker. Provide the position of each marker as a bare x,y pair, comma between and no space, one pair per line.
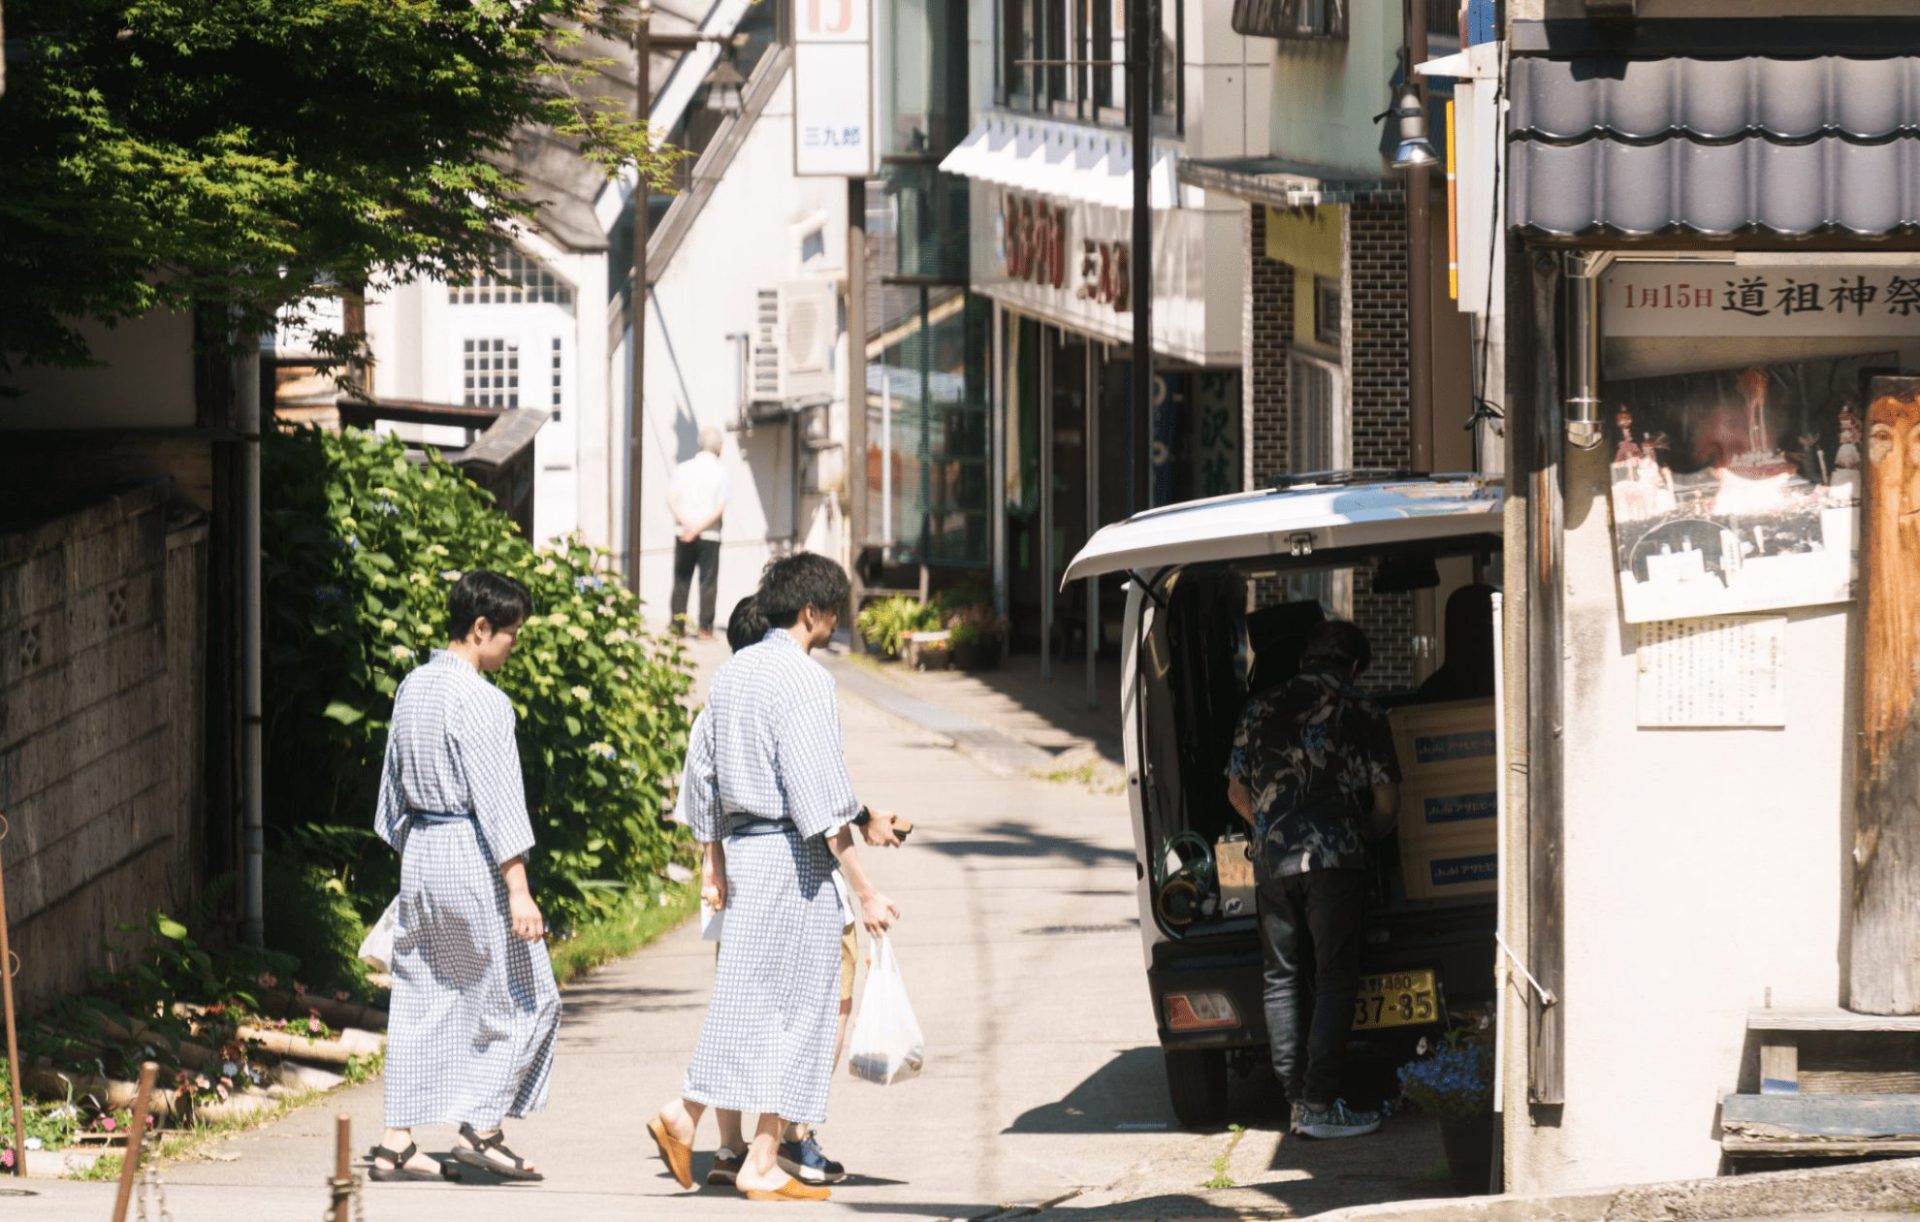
376,949
887,1046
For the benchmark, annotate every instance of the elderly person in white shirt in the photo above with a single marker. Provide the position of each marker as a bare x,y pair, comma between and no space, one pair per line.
698,497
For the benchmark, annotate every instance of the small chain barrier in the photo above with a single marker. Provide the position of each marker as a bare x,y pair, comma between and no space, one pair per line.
152,1185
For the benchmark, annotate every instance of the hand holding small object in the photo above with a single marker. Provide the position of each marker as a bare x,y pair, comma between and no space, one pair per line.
878,913
528,924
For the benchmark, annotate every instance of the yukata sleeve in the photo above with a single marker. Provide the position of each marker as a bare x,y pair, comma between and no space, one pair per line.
812,765
490,759
1383,762
1239,765
390,812
700,784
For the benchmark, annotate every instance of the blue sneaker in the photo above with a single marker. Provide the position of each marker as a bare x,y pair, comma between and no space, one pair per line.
807,1162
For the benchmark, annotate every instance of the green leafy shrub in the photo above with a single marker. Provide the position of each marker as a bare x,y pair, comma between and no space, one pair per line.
885,622
976,625
362,545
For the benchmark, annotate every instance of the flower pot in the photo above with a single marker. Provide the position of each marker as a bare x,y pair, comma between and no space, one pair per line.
1469,1146
929,650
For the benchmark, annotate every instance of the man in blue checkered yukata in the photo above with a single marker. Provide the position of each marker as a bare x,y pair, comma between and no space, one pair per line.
475,1010
768,796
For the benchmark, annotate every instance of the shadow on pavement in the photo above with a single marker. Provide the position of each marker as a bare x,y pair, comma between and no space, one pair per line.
1127,1094
1020,840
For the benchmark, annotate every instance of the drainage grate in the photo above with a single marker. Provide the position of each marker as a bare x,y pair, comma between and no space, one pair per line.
1055,931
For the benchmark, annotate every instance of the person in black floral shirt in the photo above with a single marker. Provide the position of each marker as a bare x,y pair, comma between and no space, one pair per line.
1313,772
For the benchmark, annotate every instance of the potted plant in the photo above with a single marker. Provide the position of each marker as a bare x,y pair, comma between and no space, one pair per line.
976,634
1453,1083
932,650
885,623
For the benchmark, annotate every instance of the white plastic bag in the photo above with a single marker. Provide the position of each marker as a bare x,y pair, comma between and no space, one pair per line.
376,949
887,1046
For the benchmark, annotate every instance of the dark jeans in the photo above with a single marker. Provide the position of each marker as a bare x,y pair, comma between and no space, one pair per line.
1310,939
702,554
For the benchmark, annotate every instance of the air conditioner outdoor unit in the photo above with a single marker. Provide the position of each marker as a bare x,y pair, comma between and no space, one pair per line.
793,333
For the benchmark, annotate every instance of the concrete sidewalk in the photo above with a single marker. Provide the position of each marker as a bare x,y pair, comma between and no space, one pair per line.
1010,720
1018,943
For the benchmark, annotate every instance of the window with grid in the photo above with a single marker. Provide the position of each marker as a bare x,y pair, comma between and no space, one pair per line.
490,372
1318,419
1291,18
517,278
1326,310
1084,46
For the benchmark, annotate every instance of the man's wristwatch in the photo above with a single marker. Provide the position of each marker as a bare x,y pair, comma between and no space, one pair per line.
863,818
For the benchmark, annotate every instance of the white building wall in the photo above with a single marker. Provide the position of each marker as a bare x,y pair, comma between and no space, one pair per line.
744,237
1325,93
1704,870
417,335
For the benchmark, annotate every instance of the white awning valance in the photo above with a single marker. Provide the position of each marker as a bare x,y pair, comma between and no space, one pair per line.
1064,160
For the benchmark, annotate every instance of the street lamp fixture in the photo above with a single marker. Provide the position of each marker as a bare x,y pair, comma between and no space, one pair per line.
1407,130
723,86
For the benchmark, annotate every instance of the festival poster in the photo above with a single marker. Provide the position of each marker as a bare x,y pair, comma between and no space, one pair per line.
1738,490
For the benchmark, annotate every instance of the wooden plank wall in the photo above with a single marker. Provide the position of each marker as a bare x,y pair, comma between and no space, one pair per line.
102,658
1884,976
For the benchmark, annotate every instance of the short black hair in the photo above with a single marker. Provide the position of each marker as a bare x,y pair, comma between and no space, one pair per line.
748,624
1337,644
496,597
791,585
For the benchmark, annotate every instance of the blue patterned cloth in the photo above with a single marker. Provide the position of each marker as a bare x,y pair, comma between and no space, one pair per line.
1310,751
475,1012
768,745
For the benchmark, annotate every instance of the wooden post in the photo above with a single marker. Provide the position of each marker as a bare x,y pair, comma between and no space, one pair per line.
1546,929
136,1135
340,1187
1885,976
13,1035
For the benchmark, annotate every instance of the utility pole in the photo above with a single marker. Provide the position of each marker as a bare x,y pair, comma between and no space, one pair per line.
1140,40
1419,269
637,299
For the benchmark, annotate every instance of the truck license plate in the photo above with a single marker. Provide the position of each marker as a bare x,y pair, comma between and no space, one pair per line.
1396,999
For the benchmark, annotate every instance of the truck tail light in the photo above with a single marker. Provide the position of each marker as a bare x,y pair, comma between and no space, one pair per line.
1200,1012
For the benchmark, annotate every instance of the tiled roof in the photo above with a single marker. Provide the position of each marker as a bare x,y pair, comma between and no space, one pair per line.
1715,147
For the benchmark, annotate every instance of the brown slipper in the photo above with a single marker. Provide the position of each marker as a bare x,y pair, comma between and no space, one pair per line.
676,1154
792,1190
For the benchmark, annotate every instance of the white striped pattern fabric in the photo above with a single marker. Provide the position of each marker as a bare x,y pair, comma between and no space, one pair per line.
773,721
768,744
475,1011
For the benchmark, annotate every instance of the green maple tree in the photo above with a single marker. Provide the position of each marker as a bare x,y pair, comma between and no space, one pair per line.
232,157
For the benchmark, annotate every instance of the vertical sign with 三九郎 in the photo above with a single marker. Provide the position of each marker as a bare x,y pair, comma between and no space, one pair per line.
833,129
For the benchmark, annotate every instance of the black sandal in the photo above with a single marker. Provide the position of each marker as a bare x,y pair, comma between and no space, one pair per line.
400,1170
476,1156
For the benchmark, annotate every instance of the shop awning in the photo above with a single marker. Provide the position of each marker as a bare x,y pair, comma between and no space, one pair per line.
1286,184
1090,165
1715,147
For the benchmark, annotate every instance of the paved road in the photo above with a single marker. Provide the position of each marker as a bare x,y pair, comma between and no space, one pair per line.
1023,961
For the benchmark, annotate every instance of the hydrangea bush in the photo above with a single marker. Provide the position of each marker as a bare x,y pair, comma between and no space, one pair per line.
1454,1082
362,545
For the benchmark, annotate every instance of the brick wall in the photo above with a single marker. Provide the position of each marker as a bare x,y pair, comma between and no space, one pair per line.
1266,335
1376,356
1374,352
102,741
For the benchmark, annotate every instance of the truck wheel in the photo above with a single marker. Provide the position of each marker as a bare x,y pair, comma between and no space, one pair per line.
1197,1080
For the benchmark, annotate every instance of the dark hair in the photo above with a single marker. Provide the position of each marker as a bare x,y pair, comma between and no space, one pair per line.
791,585
499,599
747,625
1337,644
